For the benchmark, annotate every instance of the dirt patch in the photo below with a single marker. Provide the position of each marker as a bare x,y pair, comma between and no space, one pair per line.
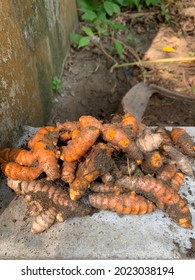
166,111
88,86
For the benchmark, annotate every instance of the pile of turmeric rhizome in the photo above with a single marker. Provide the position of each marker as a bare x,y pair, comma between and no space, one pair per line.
122,166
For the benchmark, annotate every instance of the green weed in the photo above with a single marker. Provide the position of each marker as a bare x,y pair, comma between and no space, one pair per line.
98,18
56,83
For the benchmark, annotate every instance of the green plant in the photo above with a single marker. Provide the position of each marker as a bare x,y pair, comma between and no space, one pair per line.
56,83
99,16
165,13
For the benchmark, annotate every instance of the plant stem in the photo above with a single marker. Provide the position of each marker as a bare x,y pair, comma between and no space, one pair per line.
177,59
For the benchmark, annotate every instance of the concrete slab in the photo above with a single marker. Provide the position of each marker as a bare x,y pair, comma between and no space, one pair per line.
105,235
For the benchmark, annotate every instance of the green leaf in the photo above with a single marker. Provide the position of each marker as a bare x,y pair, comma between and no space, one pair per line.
111,8
119,48
102,30
101,17
87,30
116,26
83,4
108,7
84,41
56,83
137,172
89,16
88,4
75,38
163,9
152,2
138,4
123,3
116,8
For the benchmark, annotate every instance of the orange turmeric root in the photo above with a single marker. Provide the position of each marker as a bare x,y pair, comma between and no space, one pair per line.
18,172
129,125
67,126
177,181
97,163
44,220
151,163
107,188
19,155
171,176
66,135
90,121
114,135
164,196
75,133
182,139
167,173
47,134
56,195
78,146
128,203
68,171
54,203
44,149
48,159
182,161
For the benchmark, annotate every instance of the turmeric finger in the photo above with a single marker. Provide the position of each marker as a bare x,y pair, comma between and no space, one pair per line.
151,163
128,203
183,140
48,203
177,181
19,172
48,134
78,146
117,137
129,125
19,155
107,188
182,162
47,158
44,220
97,163
167,173
68,171
57,197
171,176
6,154
90,121
164,196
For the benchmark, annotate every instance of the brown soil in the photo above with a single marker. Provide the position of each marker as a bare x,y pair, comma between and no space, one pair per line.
88,86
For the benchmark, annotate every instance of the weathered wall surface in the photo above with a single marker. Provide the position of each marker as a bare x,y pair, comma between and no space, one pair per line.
34,38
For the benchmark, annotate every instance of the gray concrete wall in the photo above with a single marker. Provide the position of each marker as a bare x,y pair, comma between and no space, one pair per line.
34,37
